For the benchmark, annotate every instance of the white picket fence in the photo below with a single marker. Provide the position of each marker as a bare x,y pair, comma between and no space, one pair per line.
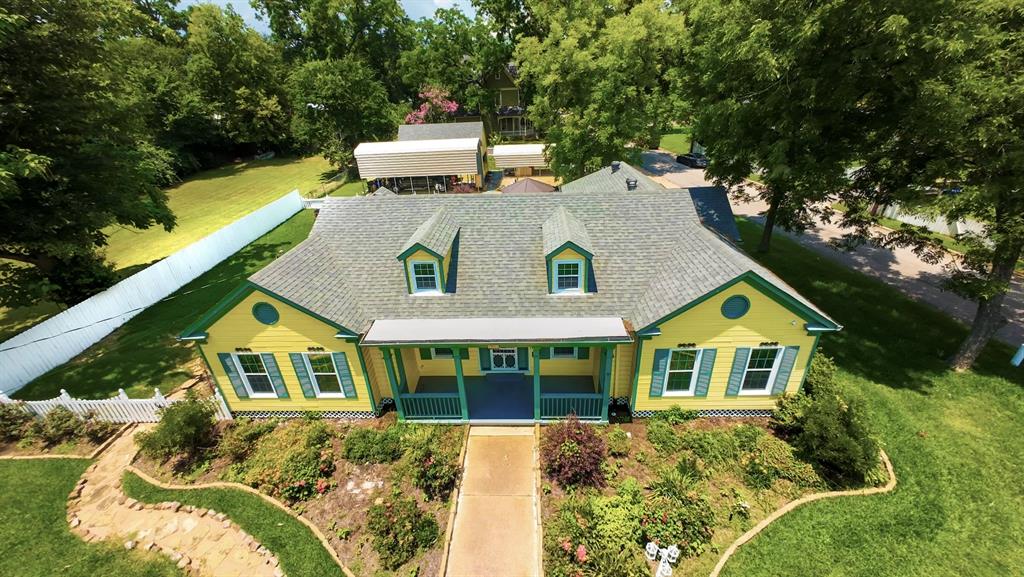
932,223
119,409
59,338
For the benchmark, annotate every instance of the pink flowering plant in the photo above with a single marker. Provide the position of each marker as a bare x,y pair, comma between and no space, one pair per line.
294,462
435,106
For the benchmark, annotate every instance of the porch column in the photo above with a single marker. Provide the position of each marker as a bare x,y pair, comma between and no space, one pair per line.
606,380
463,404
396,393
536,383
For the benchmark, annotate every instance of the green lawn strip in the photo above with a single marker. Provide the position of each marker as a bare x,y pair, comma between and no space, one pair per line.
301,554
143,353
953,439
34,537
676,141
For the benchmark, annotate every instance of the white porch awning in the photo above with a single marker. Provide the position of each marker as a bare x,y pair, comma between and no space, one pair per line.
552,330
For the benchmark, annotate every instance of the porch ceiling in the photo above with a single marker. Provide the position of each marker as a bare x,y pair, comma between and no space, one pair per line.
497,330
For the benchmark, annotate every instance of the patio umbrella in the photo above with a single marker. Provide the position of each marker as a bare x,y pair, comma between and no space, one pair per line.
528,185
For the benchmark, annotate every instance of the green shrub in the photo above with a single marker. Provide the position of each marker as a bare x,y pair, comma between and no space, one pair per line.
676,415
681,479
836,437
746,436
788,417
774,459
663,436
617,441
617,518
714,446
241,437
293,462
399,530
366,445
184,428
573,453
98,431
14,422
435,469
821,376
688,520
60,425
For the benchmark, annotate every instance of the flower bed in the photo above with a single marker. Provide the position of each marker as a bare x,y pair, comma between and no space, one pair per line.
378,490
60,432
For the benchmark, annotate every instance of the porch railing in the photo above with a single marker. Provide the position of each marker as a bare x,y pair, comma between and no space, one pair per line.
431,405
559,405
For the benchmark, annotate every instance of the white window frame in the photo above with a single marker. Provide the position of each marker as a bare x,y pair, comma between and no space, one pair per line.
412,277
692,390
245,378
579,276
575,352
316,384
771,375
434,354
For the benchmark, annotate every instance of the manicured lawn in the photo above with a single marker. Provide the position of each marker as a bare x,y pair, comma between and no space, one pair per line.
301,554
143,353
676,140
954,440
34,532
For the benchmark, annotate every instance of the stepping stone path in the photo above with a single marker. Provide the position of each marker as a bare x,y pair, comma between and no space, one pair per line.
203,542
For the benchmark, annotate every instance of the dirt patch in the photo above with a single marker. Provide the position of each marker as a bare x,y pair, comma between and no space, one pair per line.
79,448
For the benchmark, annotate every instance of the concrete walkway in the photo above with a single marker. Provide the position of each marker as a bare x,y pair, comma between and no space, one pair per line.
899,268
496,530
203,542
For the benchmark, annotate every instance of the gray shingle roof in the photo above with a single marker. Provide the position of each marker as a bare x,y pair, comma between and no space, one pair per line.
436,233
652,256
609,179
562,227
440,130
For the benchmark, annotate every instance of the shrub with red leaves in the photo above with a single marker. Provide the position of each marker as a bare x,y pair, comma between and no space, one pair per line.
572,453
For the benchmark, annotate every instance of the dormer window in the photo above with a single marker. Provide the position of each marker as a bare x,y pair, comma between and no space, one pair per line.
568,276
424,276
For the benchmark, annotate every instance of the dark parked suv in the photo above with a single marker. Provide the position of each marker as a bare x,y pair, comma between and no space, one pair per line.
693,160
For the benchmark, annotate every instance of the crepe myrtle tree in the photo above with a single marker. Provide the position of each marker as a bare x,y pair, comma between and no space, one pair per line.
958,153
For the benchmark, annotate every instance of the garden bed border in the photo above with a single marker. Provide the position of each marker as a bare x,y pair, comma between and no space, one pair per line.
749,535
446,546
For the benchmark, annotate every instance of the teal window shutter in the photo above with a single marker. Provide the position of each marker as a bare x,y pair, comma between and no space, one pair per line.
344,374
658,374
485,359
275,374
233,376
425,354
464,354
583,353
739,366
707,364
524,358
545,353
785,369
299,364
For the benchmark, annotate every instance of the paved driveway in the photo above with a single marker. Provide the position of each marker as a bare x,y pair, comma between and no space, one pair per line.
900,268
496,531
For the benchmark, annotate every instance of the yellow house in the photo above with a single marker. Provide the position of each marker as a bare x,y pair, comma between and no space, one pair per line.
511,308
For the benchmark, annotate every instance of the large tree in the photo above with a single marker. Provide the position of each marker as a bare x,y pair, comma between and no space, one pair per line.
338,104
75,156
376,31
958,153
790,89
604,77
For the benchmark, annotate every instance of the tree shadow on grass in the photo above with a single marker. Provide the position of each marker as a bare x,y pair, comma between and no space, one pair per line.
143,353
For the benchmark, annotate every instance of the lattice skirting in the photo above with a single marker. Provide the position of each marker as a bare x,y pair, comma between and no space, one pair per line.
300,414
717,413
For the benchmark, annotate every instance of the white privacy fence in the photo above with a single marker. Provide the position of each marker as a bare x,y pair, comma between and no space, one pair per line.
119,409
934,224
61,337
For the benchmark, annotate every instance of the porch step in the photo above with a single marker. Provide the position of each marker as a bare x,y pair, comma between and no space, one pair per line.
510,431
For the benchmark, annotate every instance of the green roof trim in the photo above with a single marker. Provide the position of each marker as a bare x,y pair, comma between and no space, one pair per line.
415,247
197,330
572,245
780,296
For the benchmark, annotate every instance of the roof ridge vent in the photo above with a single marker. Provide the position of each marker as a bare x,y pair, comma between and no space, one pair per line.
631,184
615,165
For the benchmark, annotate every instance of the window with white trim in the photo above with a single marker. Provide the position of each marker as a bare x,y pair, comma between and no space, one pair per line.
442,353
563,352
324,374
760,372
424,276
254,374
681,373
568,276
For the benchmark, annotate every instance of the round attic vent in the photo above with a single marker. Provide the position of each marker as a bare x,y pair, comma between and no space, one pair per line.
265,313
735,307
